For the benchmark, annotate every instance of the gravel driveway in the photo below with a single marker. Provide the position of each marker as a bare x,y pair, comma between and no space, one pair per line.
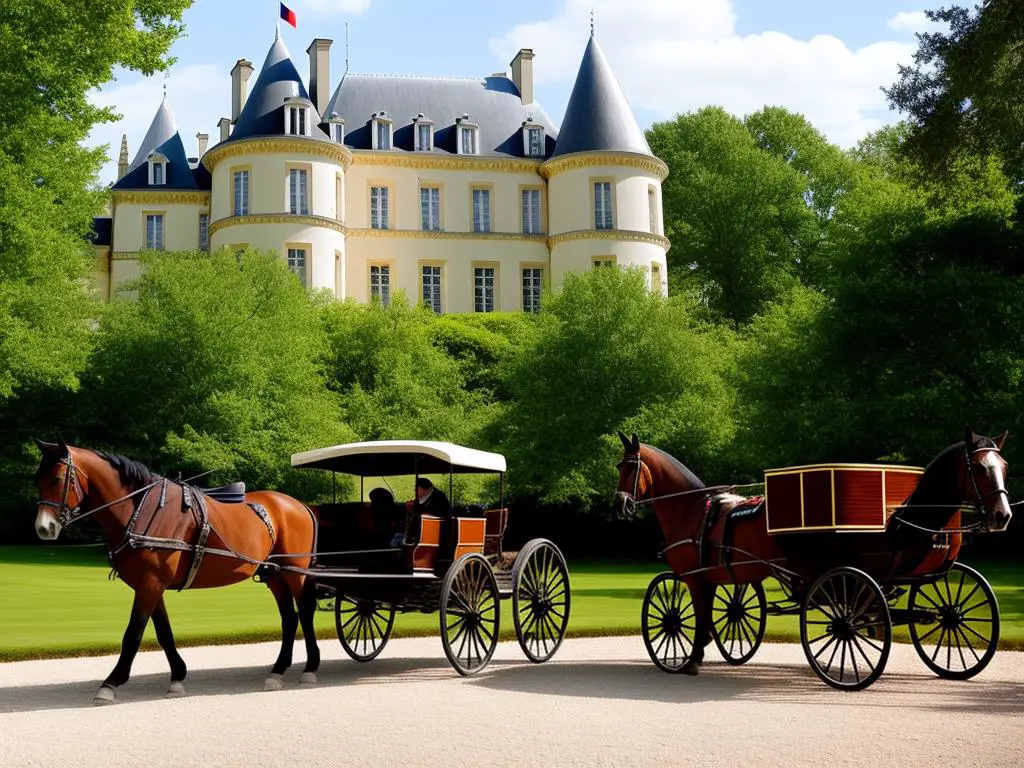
599,702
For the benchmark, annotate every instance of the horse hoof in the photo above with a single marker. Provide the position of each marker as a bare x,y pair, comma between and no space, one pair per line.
176,691
307,678
104,696
274,682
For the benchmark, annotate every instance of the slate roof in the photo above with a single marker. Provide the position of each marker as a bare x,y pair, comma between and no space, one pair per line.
493,103
263,113
598,117
161,137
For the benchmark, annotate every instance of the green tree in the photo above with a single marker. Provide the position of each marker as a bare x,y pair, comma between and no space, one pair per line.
52,54
962,94
735,213
216,365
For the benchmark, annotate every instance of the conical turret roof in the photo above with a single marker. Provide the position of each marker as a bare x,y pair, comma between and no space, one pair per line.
598,117
161,138
263,113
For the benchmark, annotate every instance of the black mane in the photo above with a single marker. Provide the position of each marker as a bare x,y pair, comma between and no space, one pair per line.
678,466
134,474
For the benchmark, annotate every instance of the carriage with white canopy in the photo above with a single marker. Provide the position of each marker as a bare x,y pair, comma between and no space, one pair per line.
450,561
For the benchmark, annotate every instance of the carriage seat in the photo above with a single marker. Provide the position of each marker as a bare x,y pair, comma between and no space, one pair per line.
232,493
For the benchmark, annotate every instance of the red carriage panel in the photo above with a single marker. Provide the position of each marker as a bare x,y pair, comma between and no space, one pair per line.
837,497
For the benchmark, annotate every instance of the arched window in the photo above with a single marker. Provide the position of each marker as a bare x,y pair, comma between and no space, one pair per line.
157,169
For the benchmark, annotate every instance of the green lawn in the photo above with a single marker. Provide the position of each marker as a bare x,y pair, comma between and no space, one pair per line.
57,601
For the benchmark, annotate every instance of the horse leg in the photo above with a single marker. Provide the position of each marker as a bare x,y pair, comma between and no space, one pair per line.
701,592
307,611
162,625
289,624
142,607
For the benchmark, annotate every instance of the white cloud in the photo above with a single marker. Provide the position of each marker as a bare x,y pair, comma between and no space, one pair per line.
337,6
913,21
673,56
198,97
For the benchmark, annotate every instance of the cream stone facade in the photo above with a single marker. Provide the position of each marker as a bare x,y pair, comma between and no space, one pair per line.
377,190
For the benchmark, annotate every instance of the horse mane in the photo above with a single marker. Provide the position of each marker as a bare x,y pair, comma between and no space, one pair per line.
134,474
677,465
935,482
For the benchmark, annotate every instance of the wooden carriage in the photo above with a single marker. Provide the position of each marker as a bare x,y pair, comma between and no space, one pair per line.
453,564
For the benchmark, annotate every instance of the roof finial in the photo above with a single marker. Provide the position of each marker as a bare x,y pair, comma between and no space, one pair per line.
277,30
591,18
346,47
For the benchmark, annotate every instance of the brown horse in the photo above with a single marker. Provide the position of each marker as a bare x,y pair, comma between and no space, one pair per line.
165,535
968,473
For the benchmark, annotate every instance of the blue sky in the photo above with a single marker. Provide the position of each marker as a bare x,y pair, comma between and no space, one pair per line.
824,59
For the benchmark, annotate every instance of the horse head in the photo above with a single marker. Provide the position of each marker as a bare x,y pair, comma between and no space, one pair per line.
62,488
635,478
984,476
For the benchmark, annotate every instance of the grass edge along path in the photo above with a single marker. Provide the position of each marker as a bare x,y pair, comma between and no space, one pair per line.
56,602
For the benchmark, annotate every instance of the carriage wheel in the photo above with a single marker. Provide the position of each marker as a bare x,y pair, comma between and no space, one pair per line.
845,629
364,626
738,613
668,622
540,599
469,614
964,627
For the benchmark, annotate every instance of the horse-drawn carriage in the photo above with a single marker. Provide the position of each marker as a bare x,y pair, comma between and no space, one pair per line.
451,562
856,549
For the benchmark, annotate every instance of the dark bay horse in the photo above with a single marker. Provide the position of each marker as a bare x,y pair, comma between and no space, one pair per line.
153,526
969,473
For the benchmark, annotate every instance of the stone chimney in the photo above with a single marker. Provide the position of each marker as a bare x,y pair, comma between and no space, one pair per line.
320,73
225,128
203,139
122,159
522,74
240,74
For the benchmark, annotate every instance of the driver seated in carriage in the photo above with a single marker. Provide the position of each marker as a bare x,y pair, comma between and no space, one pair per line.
429,501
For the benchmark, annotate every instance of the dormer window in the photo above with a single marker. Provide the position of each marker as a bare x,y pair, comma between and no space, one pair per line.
467,136
157,169
297,120
533,139
424,130
337,126
380,132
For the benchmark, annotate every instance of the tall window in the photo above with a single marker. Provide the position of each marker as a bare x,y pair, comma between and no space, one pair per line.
483,289
467,141
603,205
158,174
652,206
204,231
423,137
535,142
298,191
432,287
430,208
338,131
533,279
531,211
481,210
338,197
380,283
656,278
379,208
155,231
297,121
297,263
382,134
241,193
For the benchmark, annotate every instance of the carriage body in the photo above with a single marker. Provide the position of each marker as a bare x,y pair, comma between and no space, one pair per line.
454,564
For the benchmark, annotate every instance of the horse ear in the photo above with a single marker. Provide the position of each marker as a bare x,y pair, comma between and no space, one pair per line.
625,440
636,443
64,452
45,448
1001,439
969,437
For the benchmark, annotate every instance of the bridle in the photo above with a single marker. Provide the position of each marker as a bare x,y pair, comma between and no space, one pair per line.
67,514
980,498
640,466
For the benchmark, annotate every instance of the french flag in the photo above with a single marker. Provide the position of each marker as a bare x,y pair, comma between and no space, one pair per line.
288,15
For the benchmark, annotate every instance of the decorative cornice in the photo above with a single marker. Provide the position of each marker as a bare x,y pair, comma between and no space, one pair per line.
648,163
622,235
276,218
124,255
435,234
435,161
278,145
161,197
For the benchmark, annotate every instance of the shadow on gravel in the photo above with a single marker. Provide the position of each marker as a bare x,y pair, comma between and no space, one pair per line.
225,681
779,683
